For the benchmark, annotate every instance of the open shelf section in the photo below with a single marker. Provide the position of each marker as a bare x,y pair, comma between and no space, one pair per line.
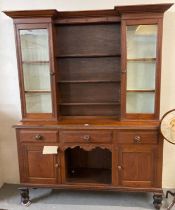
89,93
89,104
88,55
90,175
88,166
89,69
91,110
88,81
85,40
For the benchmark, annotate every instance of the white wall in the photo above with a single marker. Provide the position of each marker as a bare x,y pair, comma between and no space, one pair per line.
168,92
1,180
9,91
9,101
1,177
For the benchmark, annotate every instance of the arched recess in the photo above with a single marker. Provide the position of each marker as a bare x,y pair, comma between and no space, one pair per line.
92,164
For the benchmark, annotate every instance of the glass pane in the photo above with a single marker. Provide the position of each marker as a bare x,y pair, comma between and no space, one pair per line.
140,102
36,76
38,103
141,41
141,75
34,45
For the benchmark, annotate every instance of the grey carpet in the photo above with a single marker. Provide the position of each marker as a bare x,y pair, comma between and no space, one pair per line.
47,199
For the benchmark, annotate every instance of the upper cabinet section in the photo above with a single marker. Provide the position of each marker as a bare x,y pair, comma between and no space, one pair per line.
89,69
87,64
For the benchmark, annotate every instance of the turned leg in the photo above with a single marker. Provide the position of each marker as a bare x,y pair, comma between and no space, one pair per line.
157,200
173,203
24,192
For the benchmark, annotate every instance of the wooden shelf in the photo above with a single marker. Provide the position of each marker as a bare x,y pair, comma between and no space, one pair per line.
37,91
142,59
88,55
87,81
87,103
35,62
90,175
141,91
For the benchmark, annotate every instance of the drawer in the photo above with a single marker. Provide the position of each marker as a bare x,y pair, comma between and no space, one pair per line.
26,135
137,137
86,136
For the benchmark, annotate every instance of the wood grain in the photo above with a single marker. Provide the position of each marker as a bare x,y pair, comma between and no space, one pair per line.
89,69
88,39
80,136
130,137
29,135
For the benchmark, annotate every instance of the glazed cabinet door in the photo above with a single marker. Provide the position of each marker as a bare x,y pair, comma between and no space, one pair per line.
36,70
38,168
141,54
136,166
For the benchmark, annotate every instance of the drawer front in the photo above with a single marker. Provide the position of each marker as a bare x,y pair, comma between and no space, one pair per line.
86,136
26,135
137,137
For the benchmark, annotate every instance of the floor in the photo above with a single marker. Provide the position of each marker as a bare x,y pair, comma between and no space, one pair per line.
47,199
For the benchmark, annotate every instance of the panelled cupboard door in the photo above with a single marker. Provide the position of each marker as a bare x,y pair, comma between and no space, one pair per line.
36,70
38,168
136,166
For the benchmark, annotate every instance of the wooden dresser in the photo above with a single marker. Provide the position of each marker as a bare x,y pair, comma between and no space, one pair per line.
90,97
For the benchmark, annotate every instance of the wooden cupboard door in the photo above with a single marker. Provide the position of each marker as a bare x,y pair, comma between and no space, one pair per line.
137,166
38,168
36,70
141,59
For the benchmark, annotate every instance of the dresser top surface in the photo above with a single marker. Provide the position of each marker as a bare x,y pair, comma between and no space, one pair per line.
91,123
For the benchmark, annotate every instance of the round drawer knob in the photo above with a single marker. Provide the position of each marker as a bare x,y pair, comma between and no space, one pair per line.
119,168
38,137
86,137
137,139
56,165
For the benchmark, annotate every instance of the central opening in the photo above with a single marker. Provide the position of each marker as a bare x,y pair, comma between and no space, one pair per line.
88,166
